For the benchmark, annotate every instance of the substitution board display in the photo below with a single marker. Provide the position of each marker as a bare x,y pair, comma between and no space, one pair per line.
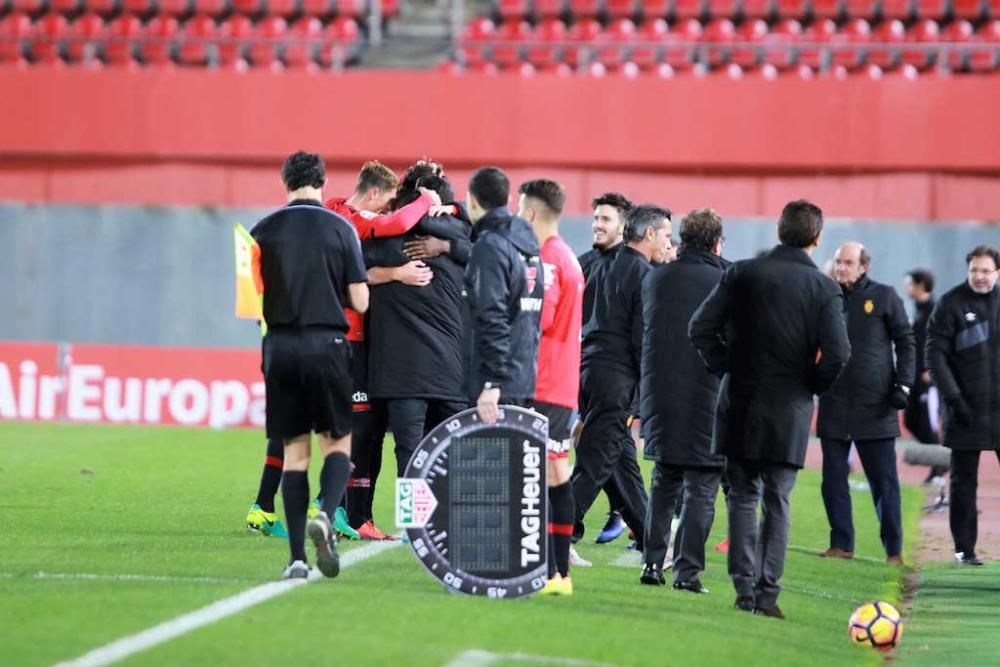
474,506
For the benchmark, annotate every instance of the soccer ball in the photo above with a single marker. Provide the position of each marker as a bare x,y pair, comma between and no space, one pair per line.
876,624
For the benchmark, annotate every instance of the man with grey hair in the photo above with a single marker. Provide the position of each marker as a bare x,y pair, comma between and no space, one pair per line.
611,358
678,404
774,326
862,405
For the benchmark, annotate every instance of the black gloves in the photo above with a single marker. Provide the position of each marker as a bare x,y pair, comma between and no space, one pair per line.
960,410
900,397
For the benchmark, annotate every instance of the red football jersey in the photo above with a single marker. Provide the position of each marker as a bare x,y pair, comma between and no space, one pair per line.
562,312
372,225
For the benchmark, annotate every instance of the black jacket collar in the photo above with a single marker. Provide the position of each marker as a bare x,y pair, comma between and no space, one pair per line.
306,202
797,255
498,218
701,257
859,286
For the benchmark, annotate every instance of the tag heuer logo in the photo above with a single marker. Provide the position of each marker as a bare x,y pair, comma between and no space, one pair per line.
970,317
869,306
415,503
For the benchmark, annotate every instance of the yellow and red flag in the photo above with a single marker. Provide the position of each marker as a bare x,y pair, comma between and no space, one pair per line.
249,284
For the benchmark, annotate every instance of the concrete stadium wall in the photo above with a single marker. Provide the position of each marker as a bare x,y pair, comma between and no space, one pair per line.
164,276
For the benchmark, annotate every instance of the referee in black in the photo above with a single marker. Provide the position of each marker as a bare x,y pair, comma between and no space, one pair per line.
311,266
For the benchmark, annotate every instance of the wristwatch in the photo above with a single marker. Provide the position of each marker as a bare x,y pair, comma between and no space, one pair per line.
490,385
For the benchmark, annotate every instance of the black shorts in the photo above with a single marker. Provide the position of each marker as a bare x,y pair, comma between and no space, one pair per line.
559,427
307,376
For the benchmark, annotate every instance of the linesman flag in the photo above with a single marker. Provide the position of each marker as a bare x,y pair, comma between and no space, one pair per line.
249,284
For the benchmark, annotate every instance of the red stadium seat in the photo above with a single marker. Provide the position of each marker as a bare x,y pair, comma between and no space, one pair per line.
65,7
719,34
779,45
922,34
549,35
303,43
757,9
618,37
886,42
173,7
654,9
646,53
86,37
231,39
123,33
792,9
767,71
513,9
480,29
549,8
830,9
511,38
620,9
583,35
15,30
968,9
267,36
722,8
993,9
33,7
103,7
213,8
157,45
750,36
198,34
986,57
849,43
897,9
956,32
248,7
49,36
139,7
680,44
932,9
819,34
688,9
354,9
584,8
319,8
338,40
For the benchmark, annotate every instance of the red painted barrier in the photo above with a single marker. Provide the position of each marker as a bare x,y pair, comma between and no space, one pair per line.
113,384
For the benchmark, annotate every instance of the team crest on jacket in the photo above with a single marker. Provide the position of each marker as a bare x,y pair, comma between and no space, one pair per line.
970,317
869,306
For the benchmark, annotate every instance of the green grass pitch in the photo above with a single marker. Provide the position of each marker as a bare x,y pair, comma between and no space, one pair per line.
170,502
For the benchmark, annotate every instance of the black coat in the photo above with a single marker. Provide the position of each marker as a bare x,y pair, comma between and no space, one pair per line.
504,285
678,393
594,263
612,338
765,324
920,320
416,334
857,406
963,352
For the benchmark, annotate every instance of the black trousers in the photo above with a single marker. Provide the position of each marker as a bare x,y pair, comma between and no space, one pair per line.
962,509
878,459
410,419
605,443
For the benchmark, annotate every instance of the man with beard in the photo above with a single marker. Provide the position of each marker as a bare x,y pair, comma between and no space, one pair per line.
416,339
963,351
612,352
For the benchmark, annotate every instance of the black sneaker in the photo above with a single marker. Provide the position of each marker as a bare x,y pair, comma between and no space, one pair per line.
967,558
745,603
652,575
693,586
325,540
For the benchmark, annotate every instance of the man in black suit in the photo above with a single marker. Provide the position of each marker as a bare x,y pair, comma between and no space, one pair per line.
775,324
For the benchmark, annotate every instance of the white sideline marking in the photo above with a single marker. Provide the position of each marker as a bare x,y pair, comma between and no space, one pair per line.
479,658
164,632
93,576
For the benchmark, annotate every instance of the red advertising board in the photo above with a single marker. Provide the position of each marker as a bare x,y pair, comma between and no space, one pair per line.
119,384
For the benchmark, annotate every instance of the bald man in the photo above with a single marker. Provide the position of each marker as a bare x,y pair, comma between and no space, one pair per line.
861,406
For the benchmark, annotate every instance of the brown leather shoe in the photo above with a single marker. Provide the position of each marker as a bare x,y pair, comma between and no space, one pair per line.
895,560
834,552
770,612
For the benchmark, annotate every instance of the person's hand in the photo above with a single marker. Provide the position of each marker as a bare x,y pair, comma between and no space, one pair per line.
960,410
425,247
444,209
416,274
488,405
900,397
435,198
